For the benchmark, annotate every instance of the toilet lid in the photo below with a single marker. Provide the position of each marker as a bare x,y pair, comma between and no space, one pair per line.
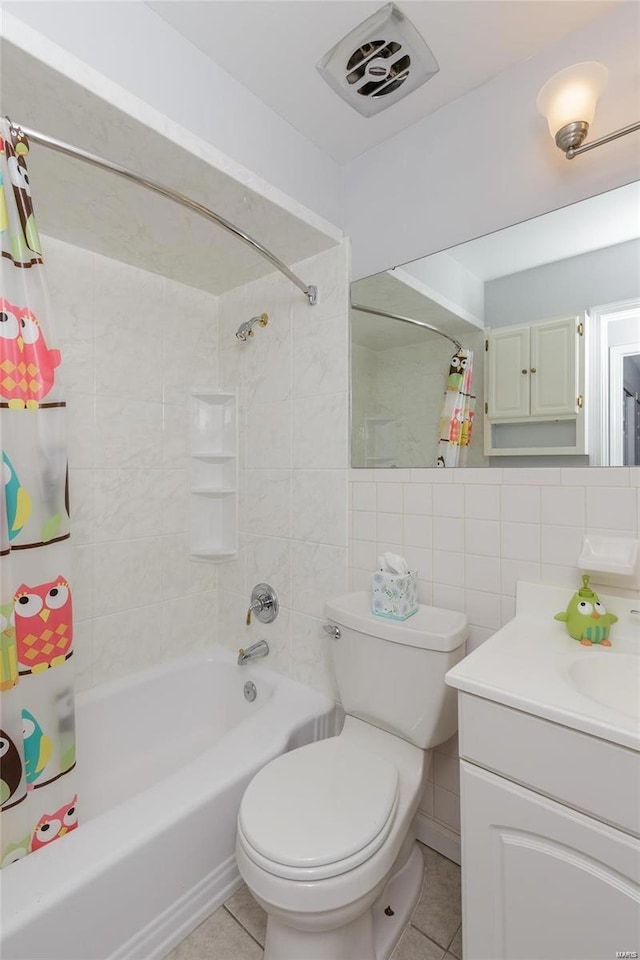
319,804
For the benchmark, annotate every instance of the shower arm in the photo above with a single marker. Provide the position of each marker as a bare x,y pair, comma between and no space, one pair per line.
309,291
417,323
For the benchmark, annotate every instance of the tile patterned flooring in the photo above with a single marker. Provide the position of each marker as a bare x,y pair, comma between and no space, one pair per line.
236,931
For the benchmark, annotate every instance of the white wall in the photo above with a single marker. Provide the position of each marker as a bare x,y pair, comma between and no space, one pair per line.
566,287
450,284
487,160
134,47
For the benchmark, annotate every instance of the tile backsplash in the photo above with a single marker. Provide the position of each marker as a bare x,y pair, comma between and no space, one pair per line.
472,534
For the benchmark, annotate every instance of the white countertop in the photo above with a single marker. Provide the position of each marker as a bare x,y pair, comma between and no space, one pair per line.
528,664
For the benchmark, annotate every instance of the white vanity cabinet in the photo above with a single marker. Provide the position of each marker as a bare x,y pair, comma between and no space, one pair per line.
550,849
535,380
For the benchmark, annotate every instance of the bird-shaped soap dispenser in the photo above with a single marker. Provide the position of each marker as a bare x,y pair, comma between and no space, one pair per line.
586,617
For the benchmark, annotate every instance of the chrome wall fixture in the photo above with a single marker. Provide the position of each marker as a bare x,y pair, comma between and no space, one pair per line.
311,292
568,101
245,329
417,323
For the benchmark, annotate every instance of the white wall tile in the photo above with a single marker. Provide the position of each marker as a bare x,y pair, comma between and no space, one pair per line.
448,534
318,505
448,500
521,541
482,537
418,498
564,505
482,501
389,497
363,525
612,507
320,432
483,573
418,531
390,528
560,545
448,568
364,496
520,504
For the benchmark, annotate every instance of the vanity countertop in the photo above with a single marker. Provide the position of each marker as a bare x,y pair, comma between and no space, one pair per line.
533,665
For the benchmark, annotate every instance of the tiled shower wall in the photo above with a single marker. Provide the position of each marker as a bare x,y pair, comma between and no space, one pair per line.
293,384
132,343
472,534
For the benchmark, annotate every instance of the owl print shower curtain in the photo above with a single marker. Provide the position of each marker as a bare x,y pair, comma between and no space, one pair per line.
37,729
456,418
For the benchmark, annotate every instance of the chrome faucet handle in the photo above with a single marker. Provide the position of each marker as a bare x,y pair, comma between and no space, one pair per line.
264,603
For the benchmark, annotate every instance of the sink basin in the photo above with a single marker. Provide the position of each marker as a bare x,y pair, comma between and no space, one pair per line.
612,679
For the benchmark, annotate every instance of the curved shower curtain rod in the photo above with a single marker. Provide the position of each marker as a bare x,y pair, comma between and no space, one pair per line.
309,291
417,323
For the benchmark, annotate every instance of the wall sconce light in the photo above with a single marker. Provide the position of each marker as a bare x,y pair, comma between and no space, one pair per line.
568,101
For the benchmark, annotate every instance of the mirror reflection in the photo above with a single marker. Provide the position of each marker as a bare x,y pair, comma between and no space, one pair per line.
520,348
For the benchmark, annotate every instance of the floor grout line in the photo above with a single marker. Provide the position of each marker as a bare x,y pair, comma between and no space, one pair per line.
240,924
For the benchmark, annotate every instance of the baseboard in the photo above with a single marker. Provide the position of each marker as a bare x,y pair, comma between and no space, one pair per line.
438,837
169,928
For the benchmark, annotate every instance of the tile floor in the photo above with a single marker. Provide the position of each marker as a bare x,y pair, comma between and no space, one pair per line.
236,931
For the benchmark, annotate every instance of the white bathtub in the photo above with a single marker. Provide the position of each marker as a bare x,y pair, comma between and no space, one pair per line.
163,759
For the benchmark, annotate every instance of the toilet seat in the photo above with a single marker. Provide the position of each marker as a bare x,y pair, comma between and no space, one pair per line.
318,811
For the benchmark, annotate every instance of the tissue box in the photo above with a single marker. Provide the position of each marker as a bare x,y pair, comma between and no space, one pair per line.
394,595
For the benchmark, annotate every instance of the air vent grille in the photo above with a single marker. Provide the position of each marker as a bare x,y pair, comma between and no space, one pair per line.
379,62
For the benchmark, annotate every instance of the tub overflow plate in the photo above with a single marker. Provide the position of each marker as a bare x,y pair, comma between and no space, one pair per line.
250,691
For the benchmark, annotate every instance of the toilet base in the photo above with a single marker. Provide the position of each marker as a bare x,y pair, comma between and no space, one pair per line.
370,936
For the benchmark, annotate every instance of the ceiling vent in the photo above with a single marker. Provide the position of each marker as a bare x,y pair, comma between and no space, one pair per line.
378,62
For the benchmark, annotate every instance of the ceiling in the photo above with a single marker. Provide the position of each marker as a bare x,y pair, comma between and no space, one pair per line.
601,221
387,292
92,208
272,49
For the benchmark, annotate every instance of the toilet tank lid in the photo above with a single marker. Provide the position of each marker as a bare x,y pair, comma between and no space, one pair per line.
431,628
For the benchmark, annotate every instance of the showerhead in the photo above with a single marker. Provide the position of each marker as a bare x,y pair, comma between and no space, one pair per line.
245,329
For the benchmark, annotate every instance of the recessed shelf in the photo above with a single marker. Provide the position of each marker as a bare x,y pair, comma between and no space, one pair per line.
214,475
214,457
213,492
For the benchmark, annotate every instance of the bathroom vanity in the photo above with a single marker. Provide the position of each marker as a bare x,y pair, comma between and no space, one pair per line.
550,787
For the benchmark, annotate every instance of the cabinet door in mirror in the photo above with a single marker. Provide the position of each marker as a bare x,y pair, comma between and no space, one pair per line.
547,314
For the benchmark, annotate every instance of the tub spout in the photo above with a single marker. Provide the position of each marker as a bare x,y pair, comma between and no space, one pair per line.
254,652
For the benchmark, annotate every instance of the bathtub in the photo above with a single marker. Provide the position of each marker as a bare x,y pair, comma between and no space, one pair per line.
163,759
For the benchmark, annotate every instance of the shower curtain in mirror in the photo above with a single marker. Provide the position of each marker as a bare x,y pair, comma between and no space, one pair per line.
37,728
456,418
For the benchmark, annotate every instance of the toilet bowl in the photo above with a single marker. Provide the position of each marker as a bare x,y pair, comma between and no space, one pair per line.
325,837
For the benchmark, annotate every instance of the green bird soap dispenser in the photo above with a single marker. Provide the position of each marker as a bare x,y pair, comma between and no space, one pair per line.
586,617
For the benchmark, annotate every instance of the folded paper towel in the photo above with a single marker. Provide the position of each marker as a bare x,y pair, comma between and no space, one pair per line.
393,563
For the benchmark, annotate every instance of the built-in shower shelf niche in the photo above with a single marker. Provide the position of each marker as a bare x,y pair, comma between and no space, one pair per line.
214,475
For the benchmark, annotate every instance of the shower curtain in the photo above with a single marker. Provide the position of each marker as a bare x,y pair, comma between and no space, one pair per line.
37,735
456,418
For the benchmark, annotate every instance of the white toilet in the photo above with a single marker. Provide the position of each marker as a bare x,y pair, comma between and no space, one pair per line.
325,840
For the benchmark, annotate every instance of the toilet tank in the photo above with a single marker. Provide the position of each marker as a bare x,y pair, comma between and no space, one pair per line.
391,673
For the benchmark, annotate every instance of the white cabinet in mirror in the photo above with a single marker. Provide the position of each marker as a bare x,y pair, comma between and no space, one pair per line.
548,315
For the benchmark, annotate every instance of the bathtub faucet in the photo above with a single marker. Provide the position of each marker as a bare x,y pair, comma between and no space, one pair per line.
254,652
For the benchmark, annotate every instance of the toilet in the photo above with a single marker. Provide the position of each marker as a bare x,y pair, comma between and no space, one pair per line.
325,839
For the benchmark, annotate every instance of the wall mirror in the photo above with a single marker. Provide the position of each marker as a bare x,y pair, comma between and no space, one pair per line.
526,349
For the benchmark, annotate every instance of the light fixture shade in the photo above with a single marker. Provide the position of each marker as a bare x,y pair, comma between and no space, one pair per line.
570,96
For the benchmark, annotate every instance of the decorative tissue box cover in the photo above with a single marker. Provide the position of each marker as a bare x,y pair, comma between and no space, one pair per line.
394,595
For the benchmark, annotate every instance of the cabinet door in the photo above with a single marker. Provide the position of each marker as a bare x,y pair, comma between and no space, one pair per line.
554,368
508,369
541,881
